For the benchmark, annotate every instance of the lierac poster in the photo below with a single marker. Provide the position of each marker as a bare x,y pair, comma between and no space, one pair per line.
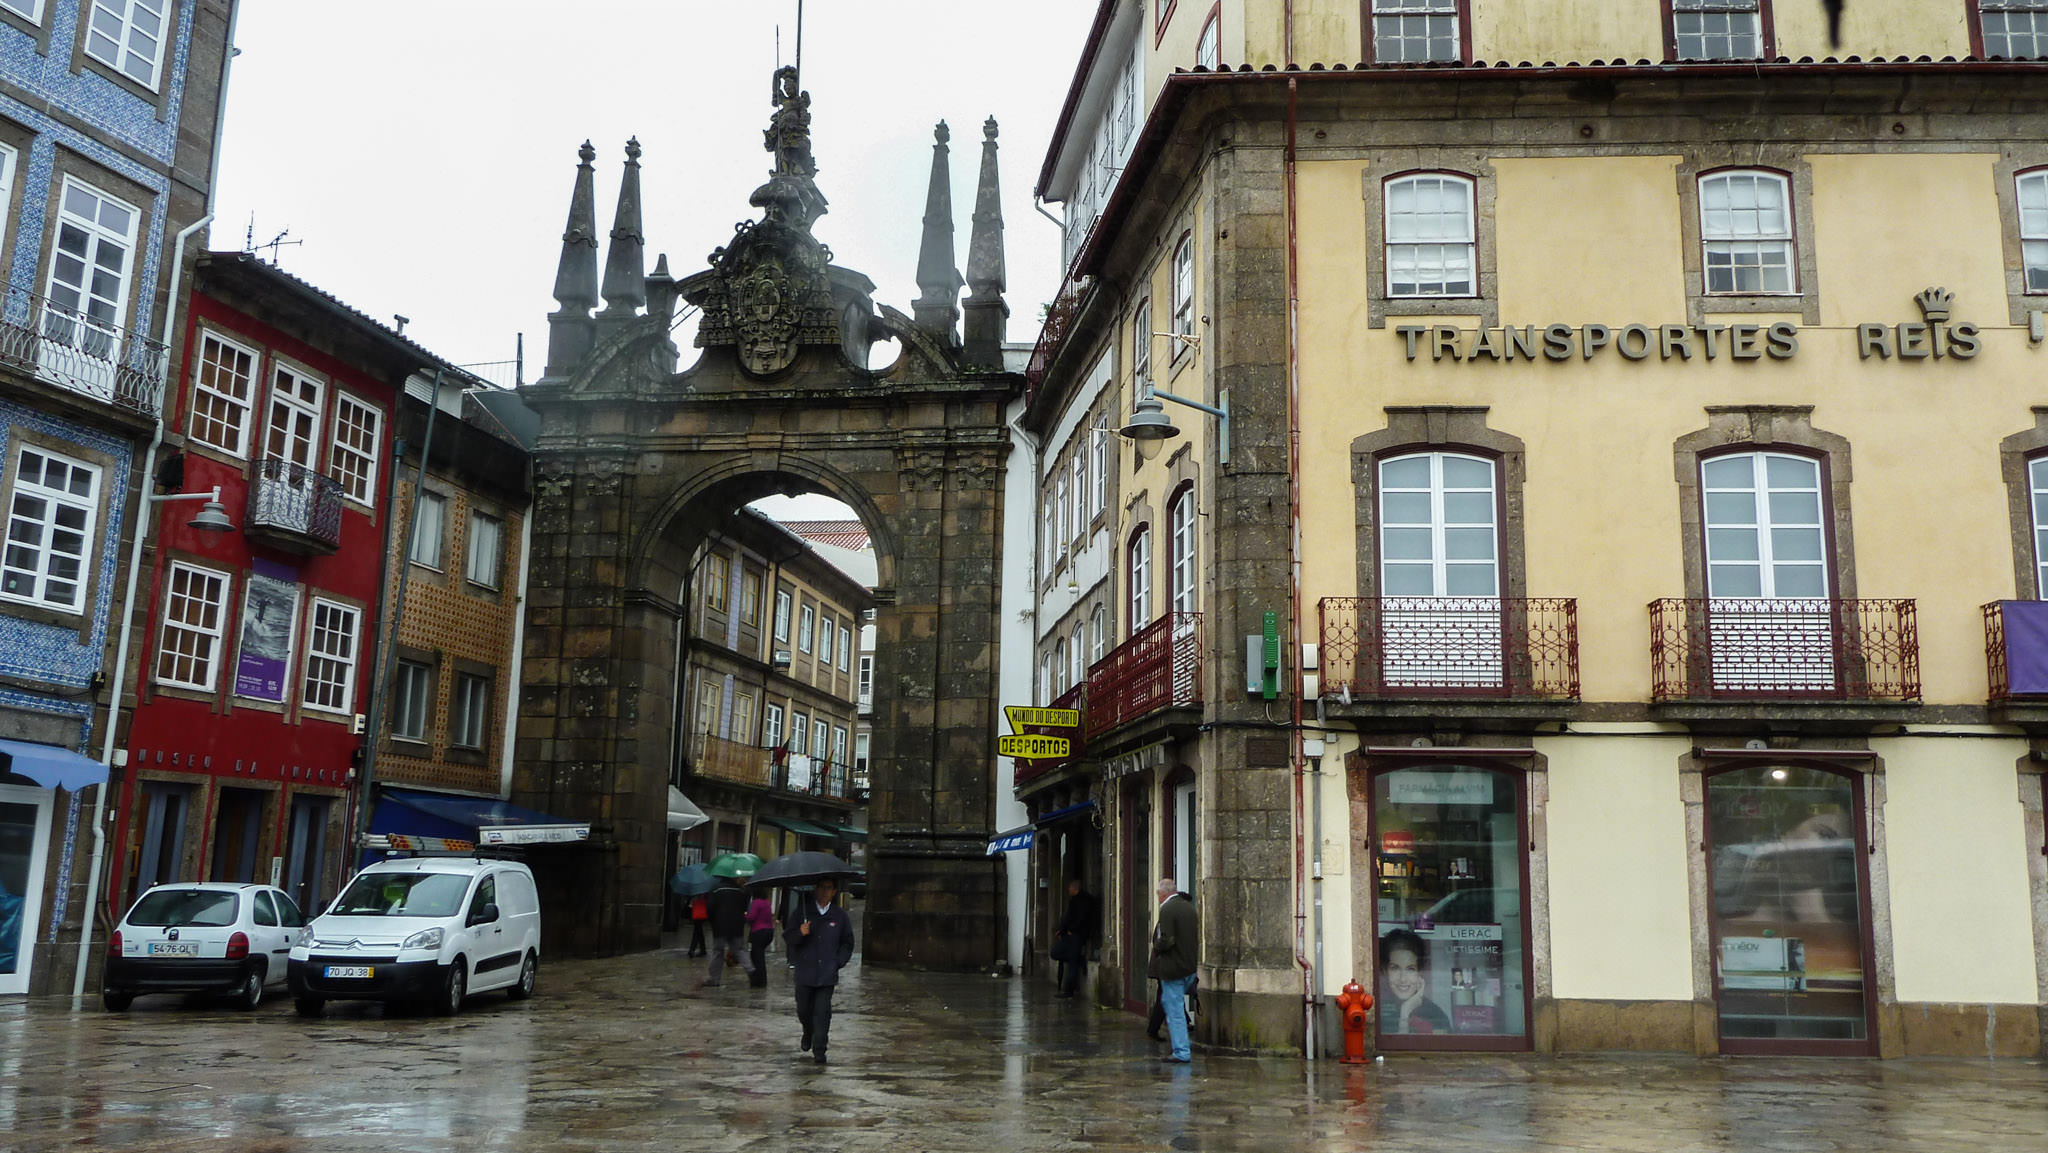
270,613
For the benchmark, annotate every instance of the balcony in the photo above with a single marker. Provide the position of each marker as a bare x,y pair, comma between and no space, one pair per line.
2016,656
736,762
1738,649
1059,324
1158,668
82,354
1417,648
294,508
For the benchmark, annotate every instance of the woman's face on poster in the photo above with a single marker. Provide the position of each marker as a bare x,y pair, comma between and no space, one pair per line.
1404,973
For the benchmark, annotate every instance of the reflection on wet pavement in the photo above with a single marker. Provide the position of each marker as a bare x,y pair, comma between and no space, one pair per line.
628,1053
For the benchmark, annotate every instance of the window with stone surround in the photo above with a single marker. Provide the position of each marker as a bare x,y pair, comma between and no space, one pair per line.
223,390
1138,567
771,727
1438,500
807,624
716,574
2011,29
90,271
429,526
50,523
486,549
8,158
750,599
195,607
782,600
129,35
1418,31
470,713
1181,574
331,656
1746,233
30,10
1717,30
2031,192
845,648
1431,235
1183,296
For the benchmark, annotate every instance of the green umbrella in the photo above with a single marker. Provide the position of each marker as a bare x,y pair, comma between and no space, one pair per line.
734,865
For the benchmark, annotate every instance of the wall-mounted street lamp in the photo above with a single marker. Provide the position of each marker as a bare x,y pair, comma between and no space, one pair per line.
1149,425
213,517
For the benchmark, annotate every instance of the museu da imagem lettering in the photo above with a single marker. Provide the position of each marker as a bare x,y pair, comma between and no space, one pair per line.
1931,338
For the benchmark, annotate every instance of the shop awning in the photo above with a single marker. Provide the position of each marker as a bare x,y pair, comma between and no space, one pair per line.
800,826
1011,841
417,820
682,815
52,767
1062,814
852,832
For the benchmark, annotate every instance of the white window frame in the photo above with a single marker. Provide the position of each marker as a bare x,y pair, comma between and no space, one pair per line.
1183,295
1730,543
839,744
826,634
469,713
324,659
2017,19
210,594
1141,343
717,581
210,367
845,648
743,717
2030,191
1209,45
1449,524
1401,23
116,38
806,627
1744,240
1098,634
352,458
29,10
45,526
1183,544
1099,448
483,560
782,606
1708,24
750,598
821,739
412,692
1432,247
771,726
1080,487
1060,669
867,677
1077,655
98,317
9,158
1138,564
2037,483
432,509
304,419
1062,524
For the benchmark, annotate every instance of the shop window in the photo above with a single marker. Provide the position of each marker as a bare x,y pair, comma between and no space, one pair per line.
51,519
1139,570
331,657
1448,907
352,461
2032,188
195,603
1418,31
24,850
223,390
1746,233
1786,877
1718,30
2012,29
1431,236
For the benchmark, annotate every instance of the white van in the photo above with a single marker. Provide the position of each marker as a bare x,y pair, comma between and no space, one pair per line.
432,929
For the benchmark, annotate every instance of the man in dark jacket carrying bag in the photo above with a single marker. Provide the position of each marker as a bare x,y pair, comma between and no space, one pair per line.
820,939
728,908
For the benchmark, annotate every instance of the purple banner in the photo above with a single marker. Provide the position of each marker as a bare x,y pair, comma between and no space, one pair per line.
270,614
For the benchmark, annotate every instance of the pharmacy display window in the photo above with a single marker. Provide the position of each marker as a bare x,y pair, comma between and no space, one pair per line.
1451,884
1790,910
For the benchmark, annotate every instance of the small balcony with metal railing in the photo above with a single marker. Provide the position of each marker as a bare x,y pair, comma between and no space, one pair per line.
1414,656
1836,655
775,770
1156,671
81,352
294,508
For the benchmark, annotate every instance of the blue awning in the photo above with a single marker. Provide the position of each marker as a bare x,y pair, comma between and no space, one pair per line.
1011,841
52,767
1062,814
404,816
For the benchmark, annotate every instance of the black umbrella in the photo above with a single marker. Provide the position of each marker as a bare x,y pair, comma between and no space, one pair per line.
801,869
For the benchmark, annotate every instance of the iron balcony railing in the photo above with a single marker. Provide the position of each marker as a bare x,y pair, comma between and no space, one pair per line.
1030,769
1160,667
768,768
2016,650
818,778
1059,323
81,353
1410,647
1737,648
291,498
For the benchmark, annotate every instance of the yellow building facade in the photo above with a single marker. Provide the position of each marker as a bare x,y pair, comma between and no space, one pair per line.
1605,617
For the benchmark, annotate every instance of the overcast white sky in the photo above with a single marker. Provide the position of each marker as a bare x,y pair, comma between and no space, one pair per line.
424,150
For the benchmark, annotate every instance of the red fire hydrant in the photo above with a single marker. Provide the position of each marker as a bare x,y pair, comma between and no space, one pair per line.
1355,1003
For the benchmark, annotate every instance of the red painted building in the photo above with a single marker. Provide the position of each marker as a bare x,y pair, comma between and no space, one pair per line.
254,646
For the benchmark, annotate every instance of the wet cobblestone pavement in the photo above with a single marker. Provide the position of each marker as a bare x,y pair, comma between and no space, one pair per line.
629,1053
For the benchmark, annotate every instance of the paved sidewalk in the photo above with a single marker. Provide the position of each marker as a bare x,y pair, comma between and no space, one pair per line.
628,1053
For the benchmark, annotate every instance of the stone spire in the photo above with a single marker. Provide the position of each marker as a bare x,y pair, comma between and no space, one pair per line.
938,304
987,314
570,329
625,267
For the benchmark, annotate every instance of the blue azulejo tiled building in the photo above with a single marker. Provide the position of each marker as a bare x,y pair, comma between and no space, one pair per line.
108,114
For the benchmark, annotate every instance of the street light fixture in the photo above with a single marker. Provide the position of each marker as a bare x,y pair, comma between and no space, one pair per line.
213,516
1150,427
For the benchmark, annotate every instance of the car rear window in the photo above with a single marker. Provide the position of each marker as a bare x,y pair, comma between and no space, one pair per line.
403,895
202,907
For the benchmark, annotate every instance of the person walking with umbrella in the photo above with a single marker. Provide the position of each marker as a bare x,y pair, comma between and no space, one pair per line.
727,909
820,939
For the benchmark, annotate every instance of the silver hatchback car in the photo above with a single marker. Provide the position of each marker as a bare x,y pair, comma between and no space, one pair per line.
204,937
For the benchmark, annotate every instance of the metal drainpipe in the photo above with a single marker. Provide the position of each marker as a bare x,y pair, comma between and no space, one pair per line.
146,480
1310,971
381,688
518,642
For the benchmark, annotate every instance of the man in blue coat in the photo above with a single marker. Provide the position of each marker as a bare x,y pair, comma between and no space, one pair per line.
820,938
